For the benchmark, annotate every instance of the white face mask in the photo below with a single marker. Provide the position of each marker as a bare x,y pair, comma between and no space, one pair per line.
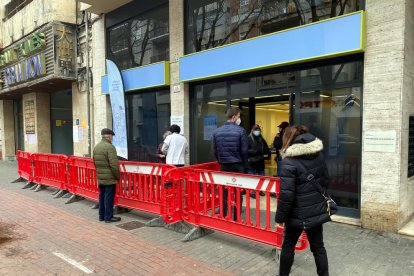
256,133
238,121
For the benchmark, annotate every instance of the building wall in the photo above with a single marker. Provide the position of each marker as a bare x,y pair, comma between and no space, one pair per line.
7,130
382,109
34,15
42,135
407,185
180,101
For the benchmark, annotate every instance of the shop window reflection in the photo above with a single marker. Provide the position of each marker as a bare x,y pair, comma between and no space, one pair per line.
334,116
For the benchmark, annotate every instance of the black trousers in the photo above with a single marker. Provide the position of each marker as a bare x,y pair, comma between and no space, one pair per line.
315,237
106,201
237,168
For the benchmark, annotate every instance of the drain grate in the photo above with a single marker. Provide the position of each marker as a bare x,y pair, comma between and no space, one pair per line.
131,225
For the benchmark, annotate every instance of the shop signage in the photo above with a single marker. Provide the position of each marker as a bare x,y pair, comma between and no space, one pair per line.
34,44
23,61
27,69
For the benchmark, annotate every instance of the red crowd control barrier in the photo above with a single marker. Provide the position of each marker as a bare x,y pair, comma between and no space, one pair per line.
50,170
204,204
82,178
24,165
141,186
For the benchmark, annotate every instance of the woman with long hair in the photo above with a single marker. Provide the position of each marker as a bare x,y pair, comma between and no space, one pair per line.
300,206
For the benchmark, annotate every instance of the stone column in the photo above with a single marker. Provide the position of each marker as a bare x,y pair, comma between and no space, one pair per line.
180,100
381,175
102,115
40,141
80,118
8,146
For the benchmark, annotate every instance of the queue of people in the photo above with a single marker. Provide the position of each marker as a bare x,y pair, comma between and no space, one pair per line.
300,207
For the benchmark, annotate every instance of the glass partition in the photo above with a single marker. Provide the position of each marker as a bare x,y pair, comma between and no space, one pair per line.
148,117
212,23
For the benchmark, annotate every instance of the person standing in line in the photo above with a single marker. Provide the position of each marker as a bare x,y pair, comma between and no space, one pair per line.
258,151
175,147
277,144
300,206
230,148
107,172
161,156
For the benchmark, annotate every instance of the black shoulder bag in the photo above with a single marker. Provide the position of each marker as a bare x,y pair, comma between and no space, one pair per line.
331,207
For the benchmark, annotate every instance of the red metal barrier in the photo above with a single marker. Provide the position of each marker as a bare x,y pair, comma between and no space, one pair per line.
82,178
141,186
202,205
24,165
50,170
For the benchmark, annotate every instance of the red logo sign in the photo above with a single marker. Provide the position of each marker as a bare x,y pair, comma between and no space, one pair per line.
234,179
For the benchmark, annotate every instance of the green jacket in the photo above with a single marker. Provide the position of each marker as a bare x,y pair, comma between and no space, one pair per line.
106,163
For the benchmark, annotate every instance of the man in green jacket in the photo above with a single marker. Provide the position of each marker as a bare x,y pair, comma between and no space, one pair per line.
107,172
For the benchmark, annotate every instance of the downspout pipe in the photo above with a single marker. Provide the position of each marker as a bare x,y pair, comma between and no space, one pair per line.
88,90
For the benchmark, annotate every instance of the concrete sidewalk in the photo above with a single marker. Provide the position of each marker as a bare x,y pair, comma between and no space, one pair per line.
46,234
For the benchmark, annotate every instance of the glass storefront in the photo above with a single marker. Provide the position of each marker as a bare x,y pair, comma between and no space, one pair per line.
140,40
326,98
212,23
148,117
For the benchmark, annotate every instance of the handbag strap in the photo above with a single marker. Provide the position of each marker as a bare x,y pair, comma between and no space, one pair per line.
311,179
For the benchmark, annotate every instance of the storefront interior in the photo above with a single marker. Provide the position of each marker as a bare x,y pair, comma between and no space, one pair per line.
326,98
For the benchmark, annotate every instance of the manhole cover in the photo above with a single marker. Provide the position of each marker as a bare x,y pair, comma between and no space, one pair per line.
131,225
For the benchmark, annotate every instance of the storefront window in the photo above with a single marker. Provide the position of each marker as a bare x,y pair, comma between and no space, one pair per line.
141,40
215,23
327,99
148,117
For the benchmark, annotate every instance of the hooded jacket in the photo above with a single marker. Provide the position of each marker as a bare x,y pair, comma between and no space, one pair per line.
299,203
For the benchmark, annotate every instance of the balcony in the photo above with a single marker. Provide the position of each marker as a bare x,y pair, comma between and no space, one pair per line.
14,6
103,6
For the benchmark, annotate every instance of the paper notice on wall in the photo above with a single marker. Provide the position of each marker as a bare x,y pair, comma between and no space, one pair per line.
76,134
380,141
31,139
179,121
80,132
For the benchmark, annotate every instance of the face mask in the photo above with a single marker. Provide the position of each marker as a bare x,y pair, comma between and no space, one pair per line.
256,133
238,121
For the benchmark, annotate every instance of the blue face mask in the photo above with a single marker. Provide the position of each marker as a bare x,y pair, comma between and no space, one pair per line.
256,133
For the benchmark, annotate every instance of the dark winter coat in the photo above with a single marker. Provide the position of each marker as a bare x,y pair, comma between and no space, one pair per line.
106,163
299,204
258,148
278,143
230,144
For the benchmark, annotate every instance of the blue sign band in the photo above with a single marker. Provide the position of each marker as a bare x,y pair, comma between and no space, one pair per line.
149,76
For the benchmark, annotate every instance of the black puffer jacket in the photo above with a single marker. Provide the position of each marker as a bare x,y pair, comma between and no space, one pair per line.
299,204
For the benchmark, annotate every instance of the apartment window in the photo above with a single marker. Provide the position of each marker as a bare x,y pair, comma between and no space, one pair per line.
220,20
14,6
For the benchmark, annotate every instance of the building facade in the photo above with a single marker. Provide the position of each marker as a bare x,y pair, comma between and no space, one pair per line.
343,68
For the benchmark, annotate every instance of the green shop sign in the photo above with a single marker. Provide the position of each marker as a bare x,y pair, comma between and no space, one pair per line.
34,44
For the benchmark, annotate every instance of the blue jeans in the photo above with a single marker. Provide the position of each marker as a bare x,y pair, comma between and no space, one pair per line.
106,201
279,164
